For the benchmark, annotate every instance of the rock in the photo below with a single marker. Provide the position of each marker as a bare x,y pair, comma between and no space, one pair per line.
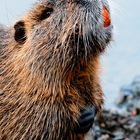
115,126
136,86
104,137
126,93
121,125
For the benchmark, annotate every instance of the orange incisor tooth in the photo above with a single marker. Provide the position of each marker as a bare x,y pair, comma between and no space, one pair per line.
106,17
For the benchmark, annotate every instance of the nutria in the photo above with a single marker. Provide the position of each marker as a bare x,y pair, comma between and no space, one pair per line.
49,62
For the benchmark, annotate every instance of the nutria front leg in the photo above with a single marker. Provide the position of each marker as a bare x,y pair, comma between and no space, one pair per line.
86,120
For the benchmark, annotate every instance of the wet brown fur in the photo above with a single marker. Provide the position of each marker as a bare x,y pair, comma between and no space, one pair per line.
39,102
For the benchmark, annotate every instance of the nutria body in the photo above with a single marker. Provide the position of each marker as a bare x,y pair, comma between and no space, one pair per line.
49,65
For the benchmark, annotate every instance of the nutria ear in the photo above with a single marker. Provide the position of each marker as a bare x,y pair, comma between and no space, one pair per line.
20,32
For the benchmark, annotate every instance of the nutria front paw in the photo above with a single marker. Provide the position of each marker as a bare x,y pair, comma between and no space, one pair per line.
86,120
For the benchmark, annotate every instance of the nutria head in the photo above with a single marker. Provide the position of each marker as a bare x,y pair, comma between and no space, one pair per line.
55,38
64,33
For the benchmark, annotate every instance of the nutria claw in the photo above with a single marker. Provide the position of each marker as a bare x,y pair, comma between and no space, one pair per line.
86,120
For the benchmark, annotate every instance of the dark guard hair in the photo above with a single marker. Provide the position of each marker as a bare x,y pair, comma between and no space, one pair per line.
49,65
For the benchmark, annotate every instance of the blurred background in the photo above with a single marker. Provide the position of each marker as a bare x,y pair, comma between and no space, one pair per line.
121,62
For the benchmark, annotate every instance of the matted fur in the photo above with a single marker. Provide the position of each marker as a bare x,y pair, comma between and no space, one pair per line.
48,79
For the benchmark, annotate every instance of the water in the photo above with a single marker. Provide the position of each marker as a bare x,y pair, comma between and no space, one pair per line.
120,64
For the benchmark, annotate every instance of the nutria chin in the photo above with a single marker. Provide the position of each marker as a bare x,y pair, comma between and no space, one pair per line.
49,63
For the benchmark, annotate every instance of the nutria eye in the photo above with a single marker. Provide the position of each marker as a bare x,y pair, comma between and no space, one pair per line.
20,33
46,13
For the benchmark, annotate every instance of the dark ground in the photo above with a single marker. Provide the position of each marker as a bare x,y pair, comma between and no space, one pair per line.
123,123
